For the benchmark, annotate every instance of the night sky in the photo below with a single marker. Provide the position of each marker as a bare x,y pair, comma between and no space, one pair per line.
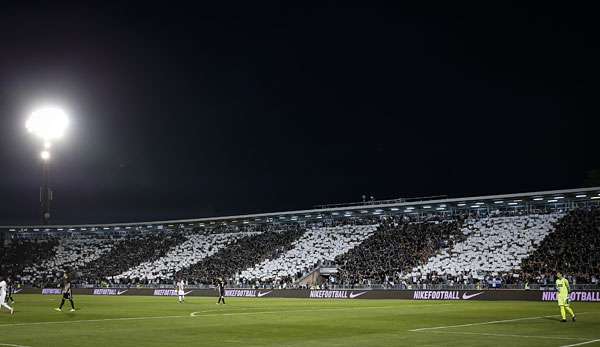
183,112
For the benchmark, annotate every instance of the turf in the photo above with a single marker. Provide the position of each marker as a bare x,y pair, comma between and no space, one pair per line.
161,321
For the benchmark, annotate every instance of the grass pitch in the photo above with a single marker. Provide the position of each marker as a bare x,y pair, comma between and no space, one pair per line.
161,321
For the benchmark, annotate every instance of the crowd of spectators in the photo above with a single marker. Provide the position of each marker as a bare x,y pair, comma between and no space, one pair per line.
531,247
491,246
395,247
573,248
127,254
317,245
19,254
241,254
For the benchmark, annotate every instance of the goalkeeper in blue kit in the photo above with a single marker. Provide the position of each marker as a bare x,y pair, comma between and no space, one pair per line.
563,290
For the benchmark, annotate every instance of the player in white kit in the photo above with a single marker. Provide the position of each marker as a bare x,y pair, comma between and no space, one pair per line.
180,290
3,290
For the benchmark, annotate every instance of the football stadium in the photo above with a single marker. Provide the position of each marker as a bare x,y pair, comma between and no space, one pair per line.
471,271
296,174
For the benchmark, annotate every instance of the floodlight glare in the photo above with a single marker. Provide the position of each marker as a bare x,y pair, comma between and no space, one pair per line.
45,155
48,123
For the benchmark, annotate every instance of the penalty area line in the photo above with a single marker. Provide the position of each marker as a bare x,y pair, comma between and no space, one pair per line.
582,343
488,322
480,323
511,335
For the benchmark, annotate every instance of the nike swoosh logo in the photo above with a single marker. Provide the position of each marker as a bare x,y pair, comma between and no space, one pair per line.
263,294
122,291
352,295
467,296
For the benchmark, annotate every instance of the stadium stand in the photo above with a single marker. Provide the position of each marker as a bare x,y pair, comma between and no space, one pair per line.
317,245
489,246
193,250
19,256
393,248
242,254
574,248
69,253
394,251
95,256
130,252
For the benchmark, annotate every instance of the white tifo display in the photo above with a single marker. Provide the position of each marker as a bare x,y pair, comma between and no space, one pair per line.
317,244
71,253
493,245
190,252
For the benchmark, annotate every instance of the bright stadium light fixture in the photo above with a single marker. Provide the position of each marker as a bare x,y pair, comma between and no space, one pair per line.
475,206
538,199
553,200
394,209
581,196
462,204
48,123
559,197
595,197
45,155
498,202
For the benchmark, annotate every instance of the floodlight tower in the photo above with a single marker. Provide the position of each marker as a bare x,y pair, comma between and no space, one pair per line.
48,124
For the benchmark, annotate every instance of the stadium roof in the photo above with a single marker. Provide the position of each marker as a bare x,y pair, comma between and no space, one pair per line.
553,198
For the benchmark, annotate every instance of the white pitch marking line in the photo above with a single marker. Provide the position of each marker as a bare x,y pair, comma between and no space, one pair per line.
489,322
582,343
11,345
193,314
89,320
196,314
510,335
481,323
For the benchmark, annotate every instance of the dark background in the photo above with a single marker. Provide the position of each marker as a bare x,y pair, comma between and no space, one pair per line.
182,112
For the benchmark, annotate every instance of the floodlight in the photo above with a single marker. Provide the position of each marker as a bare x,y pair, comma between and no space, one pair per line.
45,155
48,123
